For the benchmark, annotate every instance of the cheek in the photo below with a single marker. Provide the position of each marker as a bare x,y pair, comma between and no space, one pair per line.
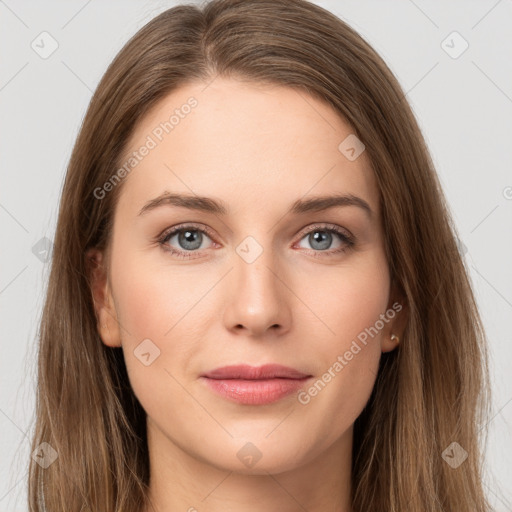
157,346
156,305
349,299
349,303
152,301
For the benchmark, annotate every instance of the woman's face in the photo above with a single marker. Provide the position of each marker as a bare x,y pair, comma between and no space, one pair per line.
270,282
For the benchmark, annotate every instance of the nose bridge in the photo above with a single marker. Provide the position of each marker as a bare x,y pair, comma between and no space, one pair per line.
255,266
256,297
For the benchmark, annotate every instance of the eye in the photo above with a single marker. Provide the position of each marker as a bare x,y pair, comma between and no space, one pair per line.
321,239
189,238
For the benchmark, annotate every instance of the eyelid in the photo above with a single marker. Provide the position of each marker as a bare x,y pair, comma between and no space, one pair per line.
183,226
327,226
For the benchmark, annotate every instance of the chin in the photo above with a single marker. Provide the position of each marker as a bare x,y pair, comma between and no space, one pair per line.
258,457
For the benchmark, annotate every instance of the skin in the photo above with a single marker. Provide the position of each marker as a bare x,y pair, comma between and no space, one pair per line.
258,149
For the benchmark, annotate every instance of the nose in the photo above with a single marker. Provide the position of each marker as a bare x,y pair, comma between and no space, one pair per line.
257,298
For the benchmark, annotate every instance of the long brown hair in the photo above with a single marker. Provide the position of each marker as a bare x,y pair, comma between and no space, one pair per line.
430,393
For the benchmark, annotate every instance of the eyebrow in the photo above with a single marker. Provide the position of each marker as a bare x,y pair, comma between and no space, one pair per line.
209,205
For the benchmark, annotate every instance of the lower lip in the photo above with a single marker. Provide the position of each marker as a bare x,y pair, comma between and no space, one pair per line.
255,392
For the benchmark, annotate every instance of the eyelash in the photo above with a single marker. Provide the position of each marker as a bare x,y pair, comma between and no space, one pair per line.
330,228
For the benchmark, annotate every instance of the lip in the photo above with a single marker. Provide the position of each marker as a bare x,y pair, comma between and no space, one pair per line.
246,372
254,385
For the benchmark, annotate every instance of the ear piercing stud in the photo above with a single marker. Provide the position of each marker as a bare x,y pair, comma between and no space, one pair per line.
395,337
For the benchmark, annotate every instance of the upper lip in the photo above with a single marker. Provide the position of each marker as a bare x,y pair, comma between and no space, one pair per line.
267,371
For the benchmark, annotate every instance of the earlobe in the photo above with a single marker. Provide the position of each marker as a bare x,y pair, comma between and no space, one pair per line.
392,336
106,315
389,343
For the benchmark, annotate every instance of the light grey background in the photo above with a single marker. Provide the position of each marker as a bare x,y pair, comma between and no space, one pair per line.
463,105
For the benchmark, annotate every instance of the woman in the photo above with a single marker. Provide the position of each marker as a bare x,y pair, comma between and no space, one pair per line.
256,300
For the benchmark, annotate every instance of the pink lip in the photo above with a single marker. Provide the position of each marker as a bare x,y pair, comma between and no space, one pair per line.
255,385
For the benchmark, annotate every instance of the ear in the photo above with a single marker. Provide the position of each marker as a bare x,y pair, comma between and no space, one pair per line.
398,314
106,315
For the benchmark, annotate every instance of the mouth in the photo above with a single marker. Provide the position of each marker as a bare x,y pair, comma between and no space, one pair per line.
251,385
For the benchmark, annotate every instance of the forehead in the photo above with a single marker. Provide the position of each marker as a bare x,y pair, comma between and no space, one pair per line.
250,144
